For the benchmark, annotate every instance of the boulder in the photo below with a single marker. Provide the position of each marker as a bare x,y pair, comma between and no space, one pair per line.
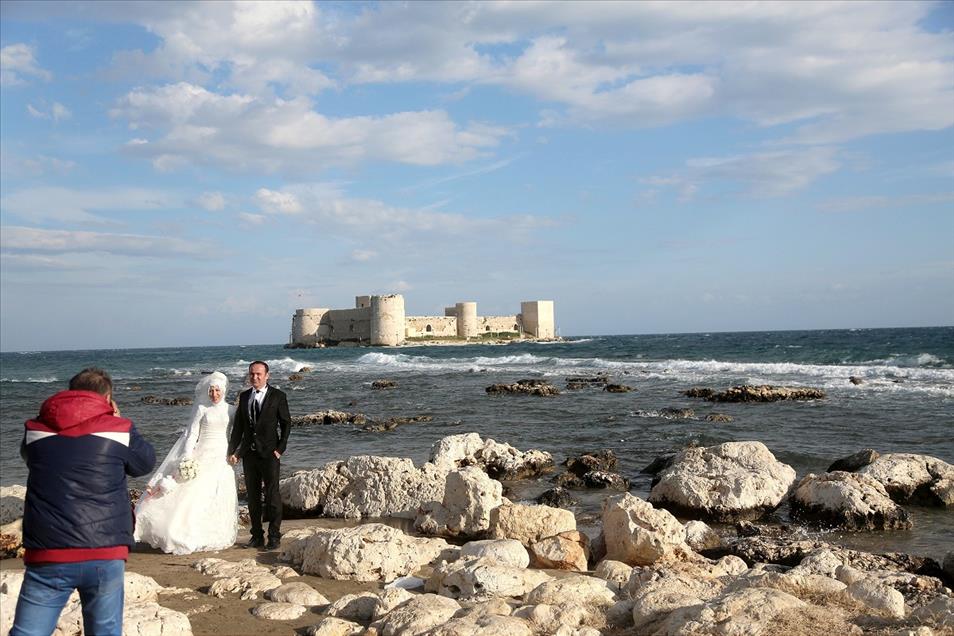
656,592
151,618
919,479
500,461
564,551
388,599
529,524
603,459
638,534
469,496
727,482
332,626
423,612
503,551
877,597
246,577
558,497
483,578
357,607
701,537
939,612
279,611
329,416
758,393
483,625
855,461
615,573
617,388
847,501
298,593
577,590
744,612
370,552
594,479
11,503
362,486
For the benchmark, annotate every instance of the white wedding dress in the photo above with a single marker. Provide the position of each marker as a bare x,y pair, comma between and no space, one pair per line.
201,514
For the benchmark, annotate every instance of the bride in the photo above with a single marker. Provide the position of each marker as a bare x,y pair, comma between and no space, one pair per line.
190,504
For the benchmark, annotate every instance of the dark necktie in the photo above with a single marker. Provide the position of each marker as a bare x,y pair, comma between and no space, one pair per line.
256,407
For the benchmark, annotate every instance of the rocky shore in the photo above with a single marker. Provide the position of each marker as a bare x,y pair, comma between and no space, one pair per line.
383,547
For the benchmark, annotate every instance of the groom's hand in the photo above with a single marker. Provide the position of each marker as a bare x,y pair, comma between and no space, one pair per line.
233,459
277,454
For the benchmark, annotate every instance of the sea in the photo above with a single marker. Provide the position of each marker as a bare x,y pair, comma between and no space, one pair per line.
904,402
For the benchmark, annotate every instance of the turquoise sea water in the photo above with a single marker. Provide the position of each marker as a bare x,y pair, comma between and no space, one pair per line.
904,404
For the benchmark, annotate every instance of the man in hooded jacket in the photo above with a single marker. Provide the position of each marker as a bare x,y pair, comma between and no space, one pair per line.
77,520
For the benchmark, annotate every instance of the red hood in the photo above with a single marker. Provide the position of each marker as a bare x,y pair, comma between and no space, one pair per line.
78,413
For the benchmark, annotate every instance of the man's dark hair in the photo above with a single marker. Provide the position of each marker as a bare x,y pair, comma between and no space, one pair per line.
92,379
264,364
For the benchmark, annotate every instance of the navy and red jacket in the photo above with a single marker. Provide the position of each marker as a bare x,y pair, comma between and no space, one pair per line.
77,502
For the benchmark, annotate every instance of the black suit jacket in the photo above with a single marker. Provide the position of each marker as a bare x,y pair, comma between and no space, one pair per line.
269,433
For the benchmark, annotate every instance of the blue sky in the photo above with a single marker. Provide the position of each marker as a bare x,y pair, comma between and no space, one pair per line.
180,174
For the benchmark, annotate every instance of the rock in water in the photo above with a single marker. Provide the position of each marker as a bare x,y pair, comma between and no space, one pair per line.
853,462
728,482
919,479
758,393
846,501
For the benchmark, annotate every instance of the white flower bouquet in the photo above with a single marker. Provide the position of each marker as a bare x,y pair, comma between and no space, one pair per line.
188,469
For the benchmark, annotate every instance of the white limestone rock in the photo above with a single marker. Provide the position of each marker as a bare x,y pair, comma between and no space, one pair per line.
423,612
279,611
11,581
370,552
615,573
797,584
499,460
247,577
742,613
658,590
147,619
482,578
701,537
728,482
914,478
494,606
388,599
569,617
939,613
332,626
577,590
638,534
503,551
847,501
529,524
298,593
355,607
564,551
11,503
469,496
363,486
138,588
878,597
483,626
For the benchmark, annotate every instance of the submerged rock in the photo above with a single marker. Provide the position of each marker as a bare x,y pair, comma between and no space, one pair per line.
558,497
525,387
757,393
846,501
603,459
728,482
617,388
600,379
329,416
176,401
855,461
383,384
718,417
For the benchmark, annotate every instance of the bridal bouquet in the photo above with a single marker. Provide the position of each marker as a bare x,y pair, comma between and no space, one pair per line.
188,469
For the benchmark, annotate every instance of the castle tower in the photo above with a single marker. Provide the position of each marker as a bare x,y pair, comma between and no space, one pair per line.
305,324
466,319
538,318
387,320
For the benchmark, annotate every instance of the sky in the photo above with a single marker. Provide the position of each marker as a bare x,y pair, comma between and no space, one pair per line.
188,174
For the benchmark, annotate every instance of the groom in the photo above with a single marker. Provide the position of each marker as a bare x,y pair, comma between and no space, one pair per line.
259,436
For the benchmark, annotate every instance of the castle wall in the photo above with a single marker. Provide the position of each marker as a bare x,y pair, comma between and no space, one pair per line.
346,325
498,324
538,318
440,326
387,320
305,325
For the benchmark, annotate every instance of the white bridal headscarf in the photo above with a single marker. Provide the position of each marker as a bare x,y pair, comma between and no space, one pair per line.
184,446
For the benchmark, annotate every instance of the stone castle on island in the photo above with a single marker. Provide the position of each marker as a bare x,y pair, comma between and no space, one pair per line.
381,321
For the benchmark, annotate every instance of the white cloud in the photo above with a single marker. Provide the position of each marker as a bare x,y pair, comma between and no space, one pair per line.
36,240
245,132
37,166
362,256
862,203
18,64
277,202
57,112
250,219
211,201
73,205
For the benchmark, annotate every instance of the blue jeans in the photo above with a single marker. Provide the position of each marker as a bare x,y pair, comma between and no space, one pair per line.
47,587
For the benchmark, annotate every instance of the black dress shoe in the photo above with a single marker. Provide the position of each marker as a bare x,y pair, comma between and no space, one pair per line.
255,543
273,544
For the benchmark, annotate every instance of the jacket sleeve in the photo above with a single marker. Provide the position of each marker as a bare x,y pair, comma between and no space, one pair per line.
142,456
284,423
238,428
